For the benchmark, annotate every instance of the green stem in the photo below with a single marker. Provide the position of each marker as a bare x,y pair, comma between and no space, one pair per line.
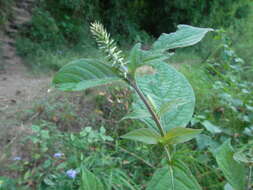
155,118
151,111
170,167
249,179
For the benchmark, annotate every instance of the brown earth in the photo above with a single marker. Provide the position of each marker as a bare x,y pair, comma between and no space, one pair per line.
16,83
18,86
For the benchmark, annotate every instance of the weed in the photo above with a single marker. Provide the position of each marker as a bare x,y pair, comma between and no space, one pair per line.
152,105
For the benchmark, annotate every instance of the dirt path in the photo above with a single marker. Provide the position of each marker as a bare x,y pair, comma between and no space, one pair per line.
17,84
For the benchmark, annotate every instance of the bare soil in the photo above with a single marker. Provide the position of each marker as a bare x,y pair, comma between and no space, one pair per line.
18,86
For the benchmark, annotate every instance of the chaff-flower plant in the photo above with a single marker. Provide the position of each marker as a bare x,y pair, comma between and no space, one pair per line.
163,99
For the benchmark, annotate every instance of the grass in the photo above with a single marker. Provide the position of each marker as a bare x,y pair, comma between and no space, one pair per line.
242,35
42,57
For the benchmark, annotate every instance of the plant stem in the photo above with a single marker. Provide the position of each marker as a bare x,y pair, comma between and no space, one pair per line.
249,179
155,118
151,111
170,167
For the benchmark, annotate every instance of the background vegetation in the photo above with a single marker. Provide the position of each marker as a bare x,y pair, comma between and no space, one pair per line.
63,23
219,69
5,11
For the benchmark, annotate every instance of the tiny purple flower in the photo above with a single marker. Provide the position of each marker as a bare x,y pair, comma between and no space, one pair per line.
71,173
58,155
17,158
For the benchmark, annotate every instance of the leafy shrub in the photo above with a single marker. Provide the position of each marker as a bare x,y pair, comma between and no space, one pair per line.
67,18
74,160
64,24
161,110
44,27
222,82
223,75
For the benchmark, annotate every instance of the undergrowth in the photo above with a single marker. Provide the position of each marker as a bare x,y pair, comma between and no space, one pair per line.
63,25
5,11
55,144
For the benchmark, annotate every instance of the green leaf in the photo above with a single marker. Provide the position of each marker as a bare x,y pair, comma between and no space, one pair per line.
234,171
185,36
45,134
144,135
245,153
152,56
163,86
240,157
205,141
211,127
137,114
228,187
7,183
119,180
36,128
183,179
152,103
179,135
139,57
89,181
168,106
135,58
82,74
48,181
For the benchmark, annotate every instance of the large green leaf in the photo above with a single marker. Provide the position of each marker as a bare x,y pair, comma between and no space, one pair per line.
163,86
179,135
82,74
139,57
185,36
234,171
89,181
145,135
182,178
